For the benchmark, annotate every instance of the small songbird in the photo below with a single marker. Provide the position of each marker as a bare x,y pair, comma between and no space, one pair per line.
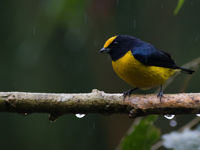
139,63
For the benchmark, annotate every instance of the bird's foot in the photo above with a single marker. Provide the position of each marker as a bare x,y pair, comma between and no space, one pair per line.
160,95
129,92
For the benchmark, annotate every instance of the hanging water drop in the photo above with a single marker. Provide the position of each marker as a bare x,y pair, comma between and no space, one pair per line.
169,116
80,115
198,115
173,123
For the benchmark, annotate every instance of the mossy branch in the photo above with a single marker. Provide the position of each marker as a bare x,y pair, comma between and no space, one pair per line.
98,102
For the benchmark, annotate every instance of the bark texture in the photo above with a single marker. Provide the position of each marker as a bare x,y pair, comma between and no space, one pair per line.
98,102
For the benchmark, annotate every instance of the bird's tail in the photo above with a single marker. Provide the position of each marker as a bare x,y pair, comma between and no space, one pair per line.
186,70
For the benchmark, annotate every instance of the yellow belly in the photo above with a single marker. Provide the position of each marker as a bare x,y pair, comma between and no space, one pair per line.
138,75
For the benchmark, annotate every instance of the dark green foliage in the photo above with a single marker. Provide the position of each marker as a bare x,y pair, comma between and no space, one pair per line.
178,7
143,136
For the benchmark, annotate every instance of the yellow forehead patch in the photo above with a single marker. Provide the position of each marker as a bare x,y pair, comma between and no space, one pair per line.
109,41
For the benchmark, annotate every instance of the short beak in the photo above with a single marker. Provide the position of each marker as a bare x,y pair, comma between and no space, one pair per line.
104,50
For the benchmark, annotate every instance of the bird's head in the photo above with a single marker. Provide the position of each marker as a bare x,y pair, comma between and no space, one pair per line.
117,46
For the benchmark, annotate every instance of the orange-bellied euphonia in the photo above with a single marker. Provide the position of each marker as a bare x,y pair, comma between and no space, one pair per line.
139,63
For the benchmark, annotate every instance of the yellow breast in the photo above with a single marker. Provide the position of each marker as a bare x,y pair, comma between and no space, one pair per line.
138,75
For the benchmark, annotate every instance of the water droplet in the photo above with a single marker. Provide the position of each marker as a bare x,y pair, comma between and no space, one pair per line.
117,2
162,6
173,123
169,116
196,38
85,18
80,115
34,31
198,115
134,24
107,106
94,126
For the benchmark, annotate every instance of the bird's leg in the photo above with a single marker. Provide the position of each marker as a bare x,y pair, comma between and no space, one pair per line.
160,94
128,93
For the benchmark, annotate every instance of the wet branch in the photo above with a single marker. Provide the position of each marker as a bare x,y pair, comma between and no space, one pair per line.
98,102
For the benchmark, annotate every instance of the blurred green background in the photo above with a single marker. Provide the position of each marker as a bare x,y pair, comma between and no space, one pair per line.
52,46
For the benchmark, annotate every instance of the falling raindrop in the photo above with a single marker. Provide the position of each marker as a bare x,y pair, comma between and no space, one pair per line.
191,3
173,123
196,39
80,115
169,116
134,24
34,31
162,5
198,115
117,2
94,125
85,18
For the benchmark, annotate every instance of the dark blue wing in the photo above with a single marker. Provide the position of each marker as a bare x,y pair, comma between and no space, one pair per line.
150,56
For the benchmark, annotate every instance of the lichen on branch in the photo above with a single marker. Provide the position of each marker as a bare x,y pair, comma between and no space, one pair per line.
98,102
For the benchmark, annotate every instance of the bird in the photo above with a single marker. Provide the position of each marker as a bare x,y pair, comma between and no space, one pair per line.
140,64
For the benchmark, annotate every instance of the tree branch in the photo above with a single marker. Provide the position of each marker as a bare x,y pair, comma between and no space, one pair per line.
98,102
